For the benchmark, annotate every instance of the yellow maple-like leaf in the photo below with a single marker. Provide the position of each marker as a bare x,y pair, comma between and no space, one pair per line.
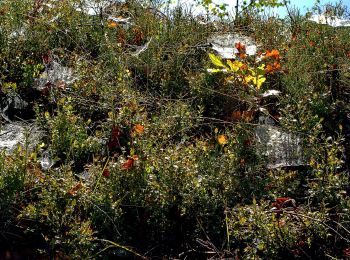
216,60
234,66
222,139
248,79
258,81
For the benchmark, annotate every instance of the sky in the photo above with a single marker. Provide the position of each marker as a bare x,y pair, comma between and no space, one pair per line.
303,5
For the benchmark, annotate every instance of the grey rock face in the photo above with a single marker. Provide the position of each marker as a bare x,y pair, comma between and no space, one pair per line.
55,73
330,20
16,133
224,45
11,101
282,149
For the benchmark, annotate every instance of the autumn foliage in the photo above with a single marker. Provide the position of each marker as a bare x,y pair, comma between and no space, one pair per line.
154,146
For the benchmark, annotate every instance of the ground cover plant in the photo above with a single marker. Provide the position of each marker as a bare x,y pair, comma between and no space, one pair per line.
151,135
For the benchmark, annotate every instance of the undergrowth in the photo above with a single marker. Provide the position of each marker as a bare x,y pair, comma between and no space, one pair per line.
154,151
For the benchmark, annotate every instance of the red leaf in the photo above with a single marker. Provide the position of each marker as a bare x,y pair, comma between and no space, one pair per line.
240,47
106,173
47,58
114,138
235,116
346,252
128,164
284,202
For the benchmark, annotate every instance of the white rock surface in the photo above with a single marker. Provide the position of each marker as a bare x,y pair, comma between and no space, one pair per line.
93,7
54,73
15,133
224,45
281,148
330,20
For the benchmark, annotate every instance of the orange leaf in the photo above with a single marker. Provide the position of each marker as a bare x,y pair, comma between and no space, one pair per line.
121,37
236,115
240,47
222,139
138,35
282,200
275,54
243,56
73,191
248,115
274,67
277,65
269,68
139,128
244,67
128,164
112,24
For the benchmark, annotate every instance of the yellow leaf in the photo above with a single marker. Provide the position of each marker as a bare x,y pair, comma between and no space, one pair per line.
261,69
248,79
258,81
222,139
234,66
47,115
216,60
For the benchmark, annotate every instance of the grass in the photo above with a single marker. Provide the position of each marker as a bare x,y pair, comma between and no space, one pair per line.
155,157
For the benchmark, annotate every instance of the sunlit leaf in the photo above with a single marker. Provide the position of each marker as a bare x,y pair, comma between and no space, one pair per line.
106,173
275,54
248,115
112,24
222,139
234,66
139,128
129,162
73,191
216,60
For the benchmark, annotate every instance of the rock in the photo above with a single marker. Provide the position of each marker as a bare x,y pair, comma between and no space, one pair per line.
126,23
93,7
271,92
11,102
137,50
329,20
282,149
46,161
55,74
224,45
15,133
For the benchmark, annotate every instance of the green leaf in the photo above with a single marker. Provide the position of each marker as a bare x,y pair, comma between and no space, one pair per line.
216,60
261,69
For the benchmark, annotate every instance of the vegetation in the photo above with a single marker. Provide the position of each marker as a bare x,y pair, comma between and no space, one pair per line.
154,149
